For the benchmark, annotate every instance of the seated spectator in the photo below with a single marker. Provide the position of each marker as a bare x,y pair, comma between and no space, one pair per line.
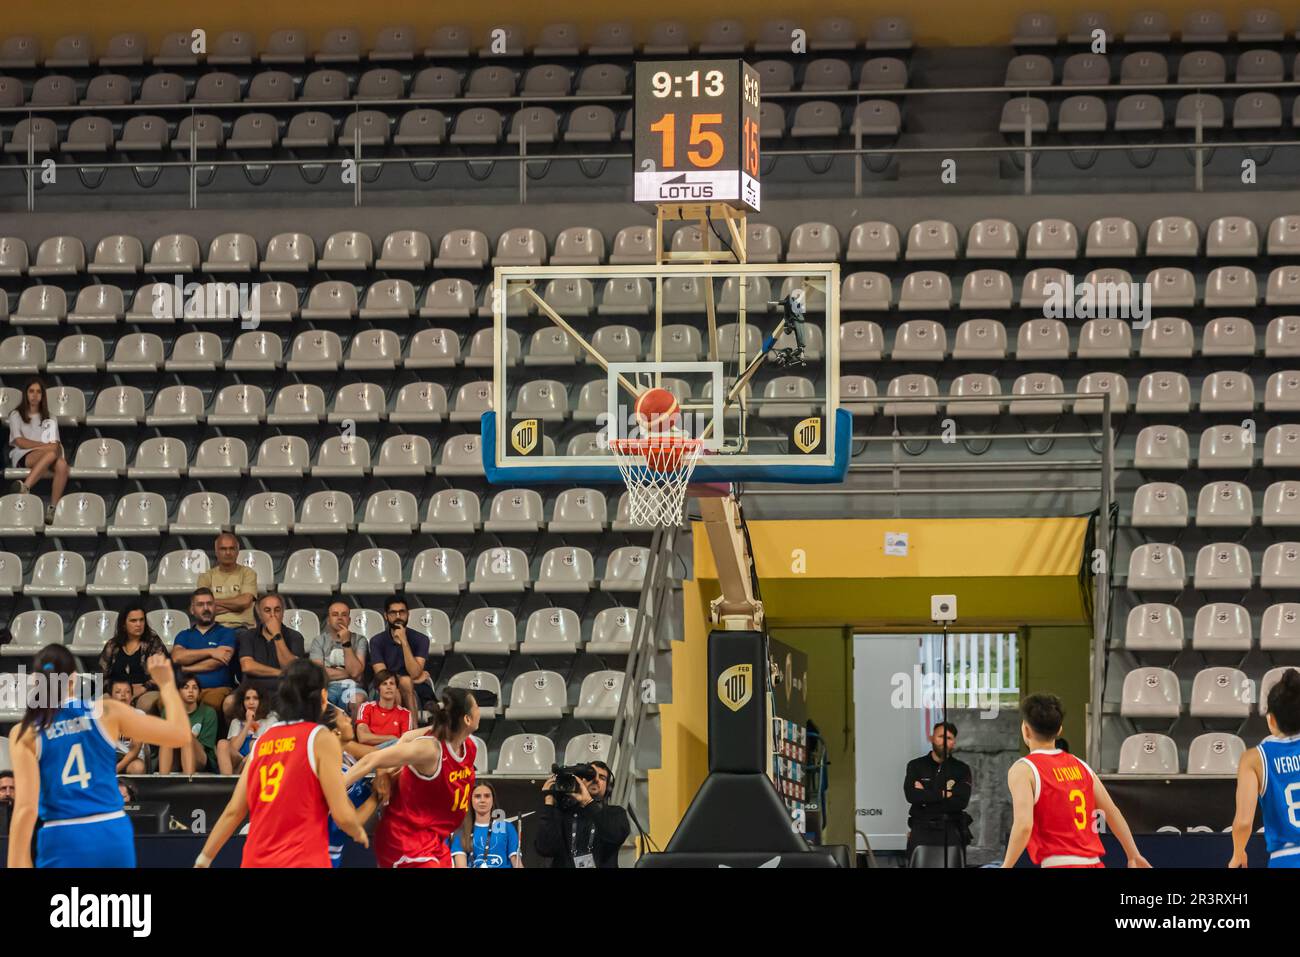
403,652
7,788
343,654
201,752
267,649
206,650
233,586
383,719
482,842
34,445
132,756
125,654
254,719
127,791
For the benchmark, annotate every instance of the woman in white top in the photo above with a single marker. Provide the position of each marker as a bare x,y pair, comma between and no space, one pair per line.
34,443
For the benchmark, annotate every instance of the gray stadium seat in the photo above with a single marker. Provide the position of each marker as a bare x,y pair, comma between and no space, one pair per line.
1154,626
1148,754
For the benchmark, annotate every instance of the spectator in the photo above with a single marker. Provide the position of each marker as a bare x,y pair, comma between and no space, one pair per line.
206,650
938,787
343,655
125,654
582,831
490,843
133,756
7,789
34,444
127,791
254,719
403,652
383,719
234,586
266,650
200,754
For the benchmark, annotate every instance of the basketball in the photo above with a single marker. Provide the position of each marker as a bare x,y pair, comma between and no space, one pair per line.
657,412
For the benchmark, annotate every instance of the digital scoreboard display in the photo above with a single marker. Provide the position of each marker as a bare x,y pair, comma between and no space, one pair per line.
697,132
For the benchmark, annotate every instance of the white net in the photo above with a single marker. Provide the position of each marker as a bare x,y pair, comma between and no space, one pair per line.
657,471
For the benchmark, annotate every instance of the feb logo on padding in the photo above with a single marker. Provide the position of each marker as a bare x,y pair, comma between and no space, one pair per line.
809,436
736,686
526,437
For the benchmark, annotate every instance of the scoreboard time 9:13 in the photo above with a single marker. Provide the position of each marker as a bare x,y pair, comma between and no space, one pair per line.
697,132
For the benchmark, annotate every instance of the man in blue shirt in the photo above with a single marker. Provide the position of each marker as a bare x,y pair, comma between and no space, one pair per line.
207,651
403,651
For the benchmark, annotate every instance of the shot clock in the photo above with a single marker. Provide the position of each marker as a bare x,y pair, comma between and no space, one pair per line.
697,132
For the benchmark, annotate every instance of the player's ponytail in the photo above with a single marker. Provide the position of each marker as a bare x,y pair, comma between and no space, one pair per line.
1284,702
449,715
299,696
47,686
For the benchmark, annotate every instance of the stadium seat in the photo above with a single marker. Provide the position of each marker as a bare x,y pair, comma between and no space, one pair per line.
600,696
1160,505
1224,504
1225,447
1266,683
390,512
1052,239
178,572
98,459
1281,506
1280,567
310,571
91,631
566,569
437,571
1282,447
325,513
373,571
1223,565
118,573
1215,753
487,631
1221,693
515,510
266,514
537,696
585,748
79,515
525,754
220,457
625,569
552,631
1282,392
500,569
57,574
1164,393
1154,627
1221,626
1167,338
1228,336
32,631
1148,754
1156,567
1151,693
301,404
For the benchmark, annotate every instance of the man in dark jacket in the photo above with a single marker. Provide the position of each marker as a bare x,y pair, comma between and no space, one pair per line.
938,787
589,832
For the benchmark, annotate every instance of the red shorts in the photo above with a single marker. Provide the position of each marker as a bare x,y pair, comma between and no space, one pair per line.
396,848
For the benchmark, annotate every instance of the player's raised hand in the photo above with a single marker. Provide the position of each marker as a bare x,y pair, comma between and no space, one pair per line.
160,670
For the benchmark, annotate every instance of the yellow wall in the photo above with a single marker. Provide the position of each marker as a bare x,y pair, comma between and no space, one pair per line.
820,578
939,23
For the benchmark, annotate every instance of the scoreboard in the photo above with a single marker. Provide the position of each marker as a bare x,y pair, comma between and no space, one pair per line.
697,132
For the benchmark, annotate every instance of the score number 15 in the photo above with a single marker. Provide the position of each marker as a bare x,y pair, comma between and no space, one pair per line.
666,127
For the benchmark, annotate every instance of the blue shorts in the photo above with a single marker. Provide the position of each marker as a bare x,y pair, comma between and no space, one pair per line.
344,692
108,843
1286,860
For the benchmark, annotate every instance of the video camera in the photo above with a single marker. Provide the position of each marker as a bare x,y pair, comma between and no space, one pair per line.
566,783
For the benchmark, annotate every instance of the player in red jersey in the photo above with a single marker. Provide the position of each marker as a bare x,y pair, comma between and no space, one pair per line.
430,795
291,784
1056,797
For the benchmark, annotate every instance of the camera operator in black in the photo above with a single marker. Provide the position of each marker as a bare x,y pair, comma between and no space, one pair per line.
576,827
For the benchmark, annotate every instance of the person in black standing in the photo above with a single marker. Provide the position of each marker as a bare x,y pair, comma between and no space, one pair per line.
938,787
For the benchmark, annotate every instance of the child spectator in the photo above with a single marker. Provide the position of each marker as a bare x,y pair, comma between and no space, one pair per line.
200,754
254,719
132,756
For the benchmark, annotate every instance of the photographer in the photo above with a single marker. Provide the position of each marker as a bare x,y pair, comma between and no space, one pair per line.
577,828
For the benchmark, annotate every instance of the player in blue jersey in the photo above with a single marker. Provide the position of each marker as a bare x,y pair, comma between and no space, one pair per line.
366,795
64,755
1270,774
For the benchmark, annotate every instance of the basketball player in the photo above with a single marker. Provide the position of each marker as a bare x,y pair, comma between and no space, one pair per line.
291,785
1056,797
1270,774
65,766
430,796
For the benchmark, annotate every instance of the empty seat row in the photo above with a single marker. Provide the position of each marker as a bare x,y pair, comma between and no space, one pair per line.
1215,752
370,571
534,754
1256,25
1218,505
1146,68
405,249
1218,626
1215,693
1141,112
1166,447
403,43
1219,566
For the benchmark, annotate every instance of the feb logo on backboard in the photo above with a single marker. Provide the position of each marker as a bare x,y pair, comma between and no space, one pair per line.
736,686
526,437
809,436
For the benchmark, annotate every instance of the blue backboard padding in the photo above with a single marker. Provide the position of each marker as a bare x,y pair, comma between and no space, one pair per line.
705,471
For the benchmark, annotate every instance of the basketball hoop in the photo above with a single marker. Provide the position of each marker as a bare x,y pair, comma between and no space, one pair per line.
657,468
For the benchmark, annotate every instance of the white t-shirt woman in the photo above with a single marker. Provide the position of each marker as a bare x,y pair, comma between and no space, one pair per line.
34,429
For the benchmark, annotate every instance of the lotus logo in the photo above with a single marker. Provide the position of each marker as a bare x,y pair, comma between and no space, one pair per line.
736,686
808,434
524,436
